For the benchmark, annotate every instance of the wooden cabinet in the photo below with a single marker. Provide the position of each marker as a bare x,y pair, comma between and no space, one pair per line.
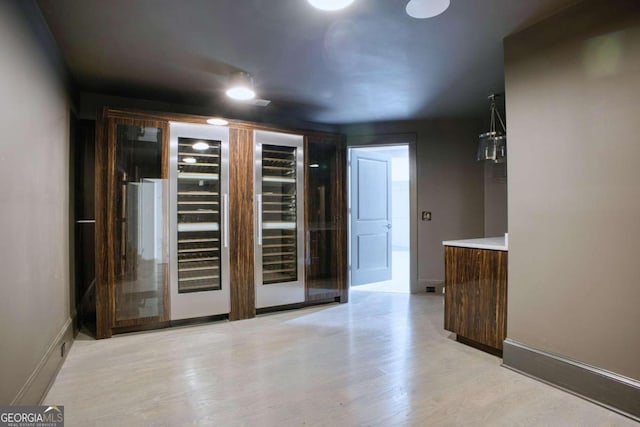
476,296
133,257
131,253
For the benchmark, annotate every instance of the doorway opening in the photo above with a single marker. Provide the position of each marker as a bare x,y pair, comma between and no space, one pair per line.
379,218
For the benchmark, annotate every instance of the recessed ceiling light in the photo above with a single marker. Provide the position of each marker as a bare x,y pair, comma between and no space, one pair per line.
241,86
422,9
189,160
314,165
200,146
241,93
330,4
217,121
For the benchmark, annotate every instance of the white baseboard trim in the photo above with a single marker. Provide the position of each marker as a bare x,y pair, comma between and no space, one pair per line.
608,389
42,377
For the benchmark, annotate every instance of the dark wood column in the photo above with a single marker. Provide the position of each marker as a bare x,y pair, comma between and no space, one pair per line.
241,224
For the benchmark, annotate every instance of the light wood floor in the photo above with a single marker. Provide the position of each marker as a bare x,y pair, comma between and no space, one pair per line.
381,360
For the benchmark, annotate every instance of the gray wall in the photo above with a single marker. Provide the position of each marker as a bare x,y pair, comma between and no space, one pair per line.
34,190
495,199
449,184
573,107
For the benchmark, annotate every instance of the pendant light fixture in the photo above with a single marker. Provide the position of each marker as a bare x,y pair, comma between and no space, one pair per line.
493,144
241,86
330,5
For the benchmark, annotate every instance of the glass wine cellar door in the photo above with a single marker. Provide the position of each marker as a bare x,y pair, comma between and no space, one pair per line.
138,233
279,186
199,177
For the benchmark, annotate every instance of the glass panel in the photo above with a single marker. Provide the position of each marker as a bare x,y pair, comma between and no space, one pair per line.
140,238
323,266
198,215
279,214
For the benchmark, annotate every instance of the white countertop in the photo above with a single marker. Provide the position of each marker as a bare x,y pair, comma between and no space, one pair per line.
493,243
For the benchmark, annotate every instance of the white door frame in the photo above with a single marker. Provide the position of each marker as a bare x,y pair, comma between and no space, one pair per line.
360,141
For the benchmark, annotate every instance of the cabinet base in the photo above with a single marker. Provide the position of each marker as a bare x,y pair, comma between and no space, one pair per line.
479,346
170,324
296,306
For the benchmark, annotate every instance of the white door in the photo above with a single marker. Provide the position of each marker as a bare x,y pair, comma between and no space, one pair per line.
370,217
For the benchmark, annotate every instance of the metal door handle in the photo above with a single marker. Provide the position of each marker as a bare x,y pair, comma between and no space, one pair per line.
225,212
259,201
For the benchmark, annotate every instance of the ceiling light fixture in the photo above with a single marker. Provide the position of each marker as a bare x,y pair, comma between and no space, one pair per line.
330,5
200,146
217,121
241,86
422,9
493,144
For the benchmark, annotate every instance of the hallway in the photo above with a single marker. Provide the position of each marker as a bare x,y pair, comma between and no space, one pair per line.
400,279
383,359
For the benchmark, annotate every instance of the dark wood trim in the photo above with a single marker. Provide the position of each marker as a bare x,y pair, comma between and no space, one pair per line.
295,306
191,118
110,219
103,310
194,321
241,224
605,388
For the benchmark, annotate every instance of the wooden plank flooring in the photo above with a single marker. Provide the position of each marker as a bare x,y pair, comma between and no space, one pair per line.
382,360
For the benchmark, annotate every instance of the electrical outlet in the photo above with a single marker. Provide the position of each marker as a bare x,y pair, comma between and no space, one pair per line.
426,215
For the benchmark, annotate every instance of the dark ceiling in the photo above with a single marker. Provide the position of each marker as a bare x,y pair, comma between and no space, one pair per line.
369,62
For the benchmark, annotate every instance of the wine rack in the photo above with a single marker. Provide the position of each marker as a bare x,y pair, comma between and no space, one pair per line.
279,213
198,215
